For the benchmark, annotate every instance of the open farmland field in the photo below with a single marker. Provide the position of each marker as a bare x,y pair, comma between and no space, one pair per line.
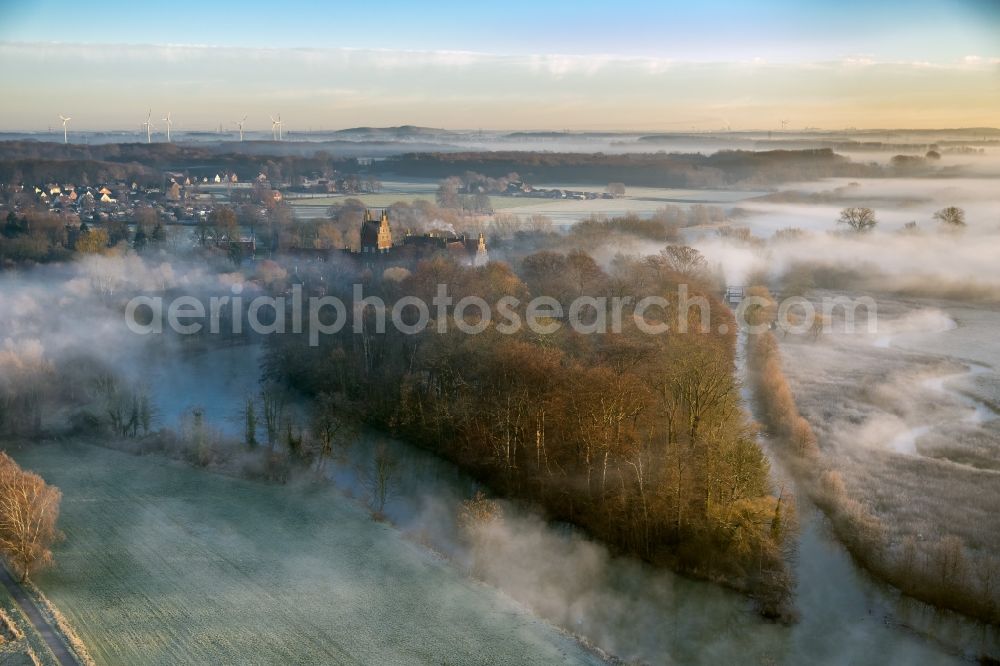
379,200
167,564
665,195
643,201
640,200
309,207
315,207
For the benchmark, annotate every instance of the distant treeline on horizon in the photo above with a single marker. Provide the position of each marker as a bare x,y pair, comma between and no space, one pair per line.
41,161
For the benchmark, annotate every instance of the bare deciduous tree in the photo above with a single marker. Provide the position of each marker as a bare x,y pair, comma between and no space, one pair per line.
684,260
858,219
274,411
29,508
94,241
379,480
332,432
250,422
447,193
952,216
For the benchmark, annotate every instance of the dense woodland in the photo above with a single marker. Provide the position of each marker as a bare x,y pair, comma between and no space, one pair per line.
721,169
641,440
37,162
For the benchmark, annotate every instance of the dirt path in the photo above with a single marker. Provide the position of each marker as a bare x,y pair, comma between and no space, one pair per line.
49,633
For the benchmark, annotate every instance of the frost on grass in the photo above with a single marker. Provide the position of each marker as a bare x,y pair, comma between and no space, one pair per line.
170,564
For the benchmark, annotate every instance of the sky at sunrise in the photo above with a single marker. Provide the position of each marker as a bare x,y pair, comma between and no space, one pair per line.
626,65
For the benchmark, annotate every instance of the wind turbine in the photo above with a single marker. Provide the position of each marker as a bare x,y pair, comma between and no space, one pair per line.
276,128
65,119
169,122
240,124
784,124
149,127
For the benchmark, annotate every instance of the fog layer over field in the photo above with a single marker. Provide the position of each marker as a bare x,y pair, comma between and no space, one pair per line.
62,310
61,324
891,257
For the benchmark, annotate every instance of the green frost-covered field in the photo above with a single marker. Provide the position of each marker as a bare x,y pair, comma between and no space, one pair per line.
639,200
167,564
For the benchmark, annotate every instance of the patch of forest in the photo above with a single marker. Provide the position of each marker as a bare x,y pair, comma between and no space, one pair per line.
725,168
639,439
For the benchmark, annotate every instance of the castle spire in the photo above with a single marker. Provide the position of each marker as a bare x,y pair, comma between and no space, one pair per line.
482,254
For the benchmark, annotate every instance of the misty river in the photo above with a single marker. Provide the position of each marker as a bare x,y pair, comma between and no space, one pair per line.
618,604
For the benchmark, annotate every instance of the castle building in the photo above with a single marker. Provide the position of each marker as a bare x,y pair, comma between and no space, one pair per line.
376,236
378,249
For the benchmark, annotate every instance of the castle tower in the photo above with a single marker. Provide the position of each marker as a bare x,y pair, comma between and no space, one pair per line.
376,236
482,256
384,233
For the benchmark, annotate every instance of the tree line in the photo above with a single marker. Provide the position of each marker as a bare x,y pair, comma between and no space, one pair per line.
732,167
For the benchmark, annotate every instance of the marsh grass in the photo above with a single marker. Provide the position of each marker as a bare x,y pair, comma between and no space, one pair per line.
918,523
